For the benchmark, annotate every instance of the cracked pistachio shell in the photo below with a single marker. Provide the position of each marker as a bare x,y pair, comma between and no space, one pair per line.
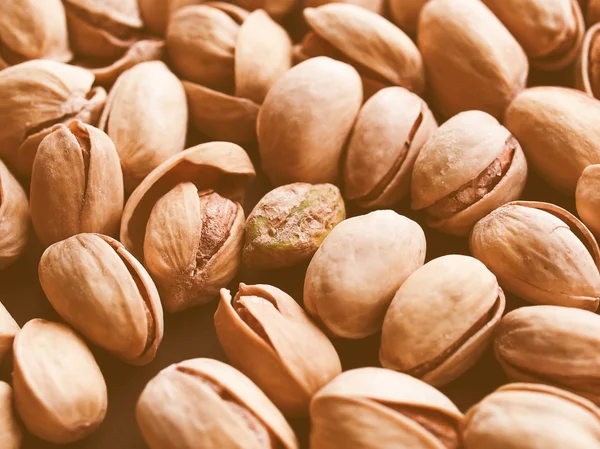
289,224
551,345
556,127
471,60
10,432
441,319
32,29
8,330
540,253
469,166
373,408
14,218
391,128
377,6
355,273
587,71
219,166
61,93
146,117
100,289
528,416
268,336
587,198
193,245
59,391
405,14
76,184
306,119
206,403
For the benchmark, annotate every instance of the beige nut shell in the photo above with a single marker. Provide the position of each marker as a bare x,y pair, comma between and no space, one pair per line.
587,196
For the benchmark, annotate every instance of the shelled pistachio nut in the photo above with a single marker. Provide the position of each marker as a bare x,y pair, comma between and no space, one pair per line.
304,144
528,416
8,330
391,128
14,218
10,432
229,59
206,403
405,14
587,198
354,275
106,294
59,391
289,223
469,166
269,337
471,60
441,319
377,6
541,253
373,408
551,345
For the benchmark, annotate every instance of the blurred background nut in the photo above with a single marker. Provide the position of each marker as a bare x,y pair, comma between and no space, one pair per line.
354,275
593,12
275,8
541,253
453,296
14,218
289,224
59,391
229,59
76,184
389,132
471,60
587,198
10,432
206,403
373,408
587,72
306,119
468,167
405,14
8,330
377,6
528,416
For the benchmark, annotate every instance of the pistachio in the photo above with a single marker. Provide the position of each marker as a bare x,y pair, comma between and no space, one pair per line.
354,275
587,198
275,8
557,129
14,217
306,119
390,130
441,319
76,184
587,73
551,345
155,15
10,432
8,330
289,224
373,408
105,293
527,416
405,14
593,12
468,167
377,6
471,60
541,253
268,336
146,117
206,403
59,391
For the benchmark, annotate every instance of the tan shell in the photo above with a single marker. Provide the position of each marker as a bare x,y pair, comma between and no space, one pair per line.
389,132
405,14
551,345
587,198
587,75
268,336
220,166
527,416
76,184
441,319
354,275
373,408
10,432
59,391
8,330
557,128
468,167
593,12
146,117
155,15
106,294
541,253
306,119
14,218
212,406
471,60
377,6
275,8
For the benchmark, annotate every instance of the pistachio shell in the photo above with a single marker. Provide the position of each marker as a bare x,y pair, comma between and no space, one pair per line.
377,6
541,253
10,432
372,408
275,8
471,59
587,75
551,345
206,403
354,275
8,330
105,293
405,14
14,218
155,15
441,319
593,12
59,391
587,198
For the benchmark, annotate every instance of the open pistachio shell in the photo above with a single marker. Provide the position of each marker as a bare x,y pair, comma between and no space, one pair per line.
11,435
587,75
14,218
8,330
587,198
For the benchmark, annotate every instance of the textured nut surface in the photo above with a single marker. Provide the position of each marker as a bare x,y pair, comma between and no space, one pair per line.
14,218
8,330
587,197
10,432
